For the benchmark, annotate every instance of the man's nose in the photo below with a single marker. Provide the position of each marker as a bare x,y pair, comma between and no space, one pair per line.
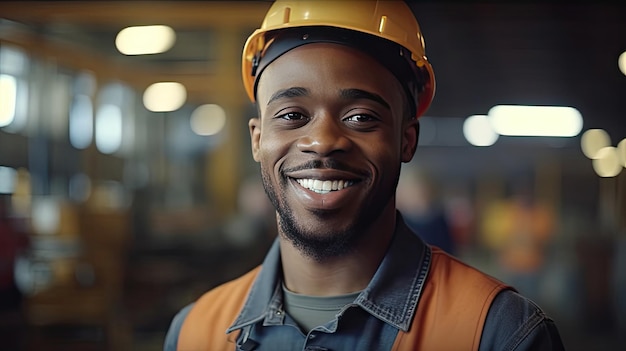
325,135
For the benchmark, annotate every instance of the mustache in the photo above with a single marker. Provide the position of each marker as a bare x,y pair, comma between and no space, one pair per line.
329,163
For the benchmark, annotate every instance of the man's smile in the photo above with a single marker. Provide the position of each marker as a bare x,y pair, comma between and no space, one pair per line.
324,186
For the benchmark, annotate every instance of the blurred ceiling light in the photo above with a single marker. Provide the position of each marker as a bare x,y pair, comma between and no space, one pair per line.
550,121
145,40
108,128
164,96
208,119
81,122
593,140
46,215
8,179
621,152
8,96
607,163
621,62
478,132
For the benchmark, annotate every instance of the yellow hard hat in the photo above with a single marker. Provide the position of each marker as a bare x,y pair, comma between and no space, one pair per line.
362,21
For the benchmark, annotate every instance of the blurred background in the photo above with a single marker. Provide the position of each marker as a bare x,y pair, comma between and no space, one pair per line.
127,187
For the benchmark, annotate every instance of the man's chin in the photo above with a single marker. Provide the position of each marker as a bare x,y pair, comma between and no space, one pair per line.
320,243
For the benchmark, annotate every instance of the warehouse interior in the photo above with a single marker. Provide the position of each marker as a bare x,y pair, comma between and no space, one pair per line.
109,227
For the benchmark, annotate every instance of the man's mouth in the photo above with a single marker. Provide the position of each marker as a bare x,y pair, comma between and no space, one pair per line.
324,186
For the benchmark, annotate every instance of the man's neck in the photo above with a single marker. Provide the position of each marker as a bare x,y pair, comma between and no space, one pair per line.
340,275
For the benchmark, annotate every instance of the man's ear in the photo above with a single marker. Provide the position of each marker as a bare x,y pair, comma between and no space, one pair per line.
410,136
254,124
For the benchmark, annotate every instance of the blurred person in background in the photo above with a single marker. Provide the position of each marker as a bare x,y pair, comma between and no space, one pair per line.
339,87
423,211
519,230
253,224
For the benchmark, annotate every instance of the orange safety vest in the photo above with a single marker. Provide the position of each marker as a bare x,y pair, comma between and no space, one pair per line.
450,315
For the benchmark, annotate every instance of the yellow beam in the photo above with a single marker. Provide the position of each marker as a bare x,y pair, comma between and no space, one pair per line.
180,14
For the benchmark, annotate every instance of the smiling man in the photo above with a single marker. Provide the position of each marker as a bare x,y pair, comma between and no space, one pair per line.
339,87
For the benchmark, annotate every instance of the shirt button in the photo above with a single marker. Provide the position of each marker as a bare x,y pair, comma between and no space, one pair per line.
312,336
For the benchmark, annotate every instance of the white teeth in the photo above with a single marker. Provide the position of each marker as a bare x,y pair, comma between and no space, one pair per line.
318,184
324,186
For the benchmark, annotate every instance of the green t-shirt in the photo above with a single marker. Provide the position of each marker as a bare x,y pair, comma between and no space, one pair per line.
312,311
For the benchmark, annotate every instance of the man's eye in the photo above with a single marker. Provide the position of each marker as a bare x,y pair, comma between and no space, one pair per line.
360,118
291,116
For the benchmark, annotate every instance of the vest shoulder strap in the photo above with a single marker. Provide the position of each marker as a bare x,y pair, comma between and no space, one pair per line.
452,309
205,325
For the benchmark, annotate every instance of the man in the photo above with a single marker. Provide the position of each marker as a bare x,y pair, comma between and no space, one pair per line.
339,87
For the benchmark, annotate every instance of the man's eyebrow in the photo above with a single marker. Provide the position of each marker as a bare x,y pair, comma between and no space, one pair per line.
288,93
354,94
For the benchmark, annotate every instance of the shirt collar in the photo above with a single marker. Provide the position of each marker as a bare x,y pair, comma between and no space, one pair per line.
391,295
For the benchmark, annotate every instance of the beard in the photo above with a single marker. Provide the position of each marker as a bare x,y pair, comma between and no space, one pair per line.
318,247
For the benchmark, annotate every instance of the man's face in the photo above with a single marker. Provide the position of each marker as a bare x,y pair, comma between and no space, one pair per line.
330,141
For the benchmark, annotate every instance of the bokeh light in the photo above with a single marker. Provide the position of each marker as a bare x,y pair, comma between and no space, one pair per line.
607,164
164,96
621,63
549,121
593,140
478,132
621,152
8,96
145,40
208,119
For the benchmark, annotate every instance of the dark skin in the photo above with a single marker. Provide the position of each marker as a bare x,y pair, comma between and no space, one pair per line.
332,134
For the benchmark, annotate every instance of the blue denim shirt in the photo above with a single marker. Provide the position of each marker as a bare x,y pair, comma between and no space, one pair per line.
384,307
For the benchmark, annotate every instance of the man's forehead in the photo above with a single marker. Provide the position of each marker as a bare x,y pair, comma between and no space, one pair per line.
348,94
310,66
